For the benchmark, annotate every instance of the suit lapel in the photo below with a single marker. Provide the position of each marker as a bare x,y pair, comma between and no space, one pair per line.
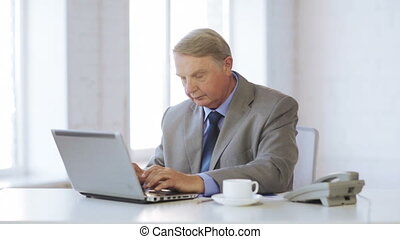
238,111
193,133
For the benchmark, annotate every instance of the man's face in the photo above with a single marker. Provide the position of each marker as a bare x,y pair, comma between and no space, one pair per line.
206,82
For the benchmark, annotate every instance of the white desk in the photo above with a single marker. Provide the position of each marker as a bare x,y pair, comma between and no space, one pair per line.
67,206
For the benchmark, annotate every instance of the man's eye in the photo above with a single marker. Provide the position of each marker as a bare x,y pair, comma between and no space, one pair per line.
198,76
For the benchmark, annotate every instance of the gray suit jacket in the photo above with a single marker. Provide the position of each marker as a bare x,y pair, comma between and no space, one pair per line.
257,139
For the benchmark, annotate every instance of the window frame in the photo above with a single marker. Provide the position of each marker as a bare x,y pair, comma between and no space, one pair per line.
18,164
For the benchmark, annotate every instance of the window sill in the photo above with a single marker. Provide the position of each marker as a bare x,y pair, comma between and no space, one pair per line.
34,180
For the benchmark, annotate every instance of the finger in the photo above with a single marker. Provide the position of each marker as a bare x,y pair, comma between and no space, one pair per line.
154,179
166,184
157,176
151,170
138,170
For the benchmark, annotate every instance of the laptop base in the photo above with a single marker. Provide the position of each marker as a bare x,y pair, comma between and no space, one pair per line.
129,200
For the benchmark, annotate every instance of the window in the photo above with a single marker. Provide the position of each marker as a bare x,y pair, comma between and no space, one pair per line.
7,85
155,27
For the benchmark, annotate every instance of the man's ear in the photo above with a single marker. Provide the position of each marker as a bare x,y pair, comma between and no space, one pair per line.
228,63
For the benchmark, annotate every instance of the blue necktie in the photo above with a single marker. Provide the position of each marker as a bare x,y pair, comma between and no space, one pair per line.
211,138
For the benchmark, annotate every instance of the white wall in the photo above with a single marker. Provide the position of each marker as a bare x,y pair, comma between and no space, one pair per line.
248,38
281,45
347,59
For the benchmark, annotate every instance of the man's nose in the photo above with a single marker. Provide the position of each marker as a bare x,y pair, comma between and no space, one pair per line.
190,86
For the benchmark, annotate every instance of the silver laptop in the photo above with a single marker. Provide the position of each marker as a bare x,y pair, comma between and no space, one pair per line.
98,165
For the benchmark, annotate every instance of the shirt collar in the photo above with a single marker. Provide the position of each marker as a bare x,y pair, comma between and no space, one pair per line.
222,109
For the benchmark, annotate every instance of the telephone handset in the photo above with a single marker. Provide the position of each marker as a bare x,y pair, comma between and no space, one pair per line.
332,190
341,176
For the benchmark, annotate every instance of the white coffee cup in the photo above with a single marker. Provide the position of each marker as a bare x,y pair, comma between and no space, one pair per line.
239,188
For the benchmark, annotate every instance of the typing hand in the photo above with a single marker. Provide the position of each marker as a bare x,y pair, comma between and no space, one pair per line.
139,172
158,178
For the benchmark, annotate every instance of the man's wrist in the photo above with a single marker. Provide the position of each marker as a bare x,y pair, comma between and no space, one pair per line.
198,184
210,185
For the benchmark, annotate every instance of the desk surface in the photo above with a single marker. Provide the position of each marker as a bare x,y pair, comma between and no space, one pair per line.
68,206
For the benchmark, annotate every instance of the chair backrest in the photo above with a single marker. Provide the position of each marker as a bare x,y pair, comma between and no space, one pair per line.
307,143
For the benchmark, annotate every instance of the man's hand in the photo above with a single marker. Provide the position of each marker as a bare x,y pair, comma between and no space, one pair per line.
139,172
158,178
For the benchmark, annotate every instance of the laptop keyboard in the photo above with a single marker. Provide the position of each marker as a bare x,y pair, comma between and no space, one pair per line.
162,192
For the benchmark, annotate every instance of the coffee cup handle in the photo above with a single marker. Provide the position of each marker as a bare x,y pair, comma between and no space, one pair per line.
255,183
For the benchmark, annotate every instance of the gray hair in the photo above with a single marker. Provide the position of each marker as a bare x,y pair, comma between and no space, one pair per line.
203,42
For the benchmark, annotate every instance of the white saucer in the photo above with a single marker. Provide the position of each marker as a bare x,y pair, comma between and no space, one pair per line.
219,198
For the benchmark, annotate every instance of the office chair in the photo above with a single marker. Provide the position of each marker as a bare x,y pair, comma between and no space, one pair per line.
307,143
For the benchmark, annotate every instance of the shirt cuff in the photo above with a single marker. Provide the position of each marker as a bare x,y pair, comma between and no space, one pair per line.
210,185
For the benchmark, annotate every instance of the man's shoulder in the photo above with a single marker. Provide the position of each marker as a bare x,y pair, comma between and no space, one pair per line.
181,108
183,105
175,115
268,97
264,94
264,99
